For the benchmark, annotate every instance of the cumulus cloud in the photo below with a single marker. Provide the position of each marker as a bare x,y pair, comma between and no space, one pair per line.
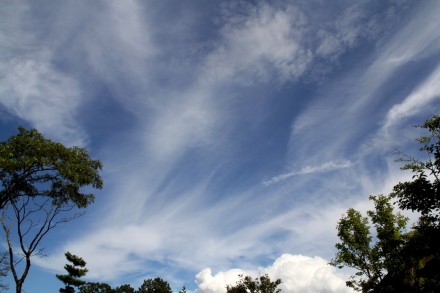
298,274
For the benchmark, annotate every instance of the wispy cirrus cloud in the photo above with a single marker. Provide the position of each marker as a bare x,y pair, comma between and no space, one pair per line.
32,89
325,167
31,86
196,117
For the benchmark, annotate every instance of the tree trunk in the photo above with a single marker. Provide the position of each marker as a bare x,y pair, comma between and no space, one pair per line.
18,286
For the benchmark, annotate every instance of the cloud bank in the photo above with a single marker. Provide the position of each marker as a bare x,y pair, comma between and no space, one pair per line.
298,274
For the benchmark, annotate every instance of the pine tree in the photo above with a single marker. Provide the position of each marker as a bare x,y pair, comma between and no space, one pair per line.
75,271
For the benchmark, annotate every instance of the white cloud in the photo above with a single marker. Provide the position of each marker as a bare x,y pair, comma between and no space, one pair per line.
298,274
325,167
181,124
31,86
32,89
416,101
266,39
119,49
353,98
249,50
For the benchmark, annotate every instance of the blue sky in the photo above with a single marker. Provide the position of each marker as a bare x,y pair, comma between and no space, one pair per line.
234,134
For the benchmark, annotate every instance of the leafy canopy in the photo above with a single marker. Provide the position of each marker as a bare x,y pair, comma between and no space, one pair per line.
31,165
263,284
391,259
372,257
75,270
422,194
156,285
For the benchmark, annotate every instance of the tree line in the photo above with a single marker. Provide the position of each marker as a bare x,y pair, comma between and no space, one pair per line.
76,269
387,255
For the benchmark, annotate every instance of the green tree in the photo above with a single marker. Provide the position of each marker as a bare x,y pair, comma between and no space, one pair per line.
156,285
392,260
263,284
422,194
126,288
372,257
92,287
75,270
41,180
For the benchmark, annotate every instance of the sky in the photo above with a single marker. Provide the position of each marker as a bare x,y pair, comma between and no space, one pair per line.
233,134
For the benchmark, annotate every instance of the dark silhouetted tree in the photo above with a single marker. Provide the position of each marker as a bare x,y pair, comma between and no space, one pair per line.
75,270
395,261
156,285
126,288
263,284
92,287
372,258
41,181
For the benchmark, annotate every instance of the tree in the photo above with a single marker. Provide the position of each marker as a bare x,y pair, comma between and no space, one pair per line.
41,180
126,288
92,287
75,270
156,285
263,284
372,259
4,269
422,194
398,261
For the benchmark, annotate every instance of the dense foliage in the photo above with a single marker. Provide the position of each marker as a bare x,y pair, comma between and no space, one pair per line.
31,165
156,285
75,270
373,259
263,284
394,259
41,181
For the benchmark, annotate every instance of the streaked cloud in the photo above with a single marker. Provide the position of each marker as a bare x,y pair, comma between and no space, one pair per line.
325,167
32,89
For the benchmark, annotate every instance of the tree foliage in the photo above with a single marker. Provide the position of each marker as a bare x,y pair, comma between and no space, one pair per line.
41,181
422,194
75,270
126,288
156,285
372,257
31,165
246,284
392,259
92,287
